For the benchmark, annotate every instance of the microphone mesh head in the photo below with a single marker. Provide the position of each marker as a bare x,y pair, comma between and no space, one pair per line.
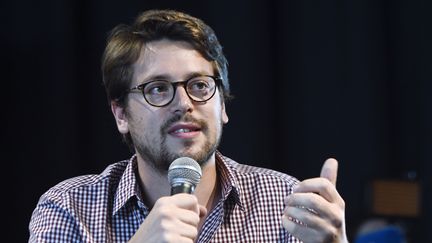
184,170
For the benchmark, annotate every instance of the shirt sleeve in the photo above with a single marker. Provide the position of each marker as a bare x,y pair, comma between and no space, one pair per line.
50,222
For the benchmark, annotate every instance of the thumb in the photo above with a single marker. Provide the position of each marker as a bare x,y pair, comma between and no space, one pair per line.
202,211
329,170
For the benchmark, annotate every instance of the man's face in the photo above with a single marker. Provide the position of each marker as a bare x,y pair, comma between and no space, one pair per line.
182,128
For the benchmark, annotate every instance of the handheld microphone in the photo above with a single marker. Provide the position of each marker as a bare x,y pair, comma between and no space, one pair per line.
184,175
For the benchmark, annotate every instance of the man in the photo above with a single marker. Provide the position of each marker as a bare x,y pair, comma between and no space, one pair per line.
166,81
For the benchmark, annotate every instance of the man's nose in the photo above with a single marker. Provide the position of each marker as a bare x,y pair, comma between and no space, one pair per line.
181,103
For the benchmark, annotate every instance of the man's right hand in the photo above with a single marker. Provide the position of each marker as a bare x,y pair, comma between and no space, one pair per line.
172,219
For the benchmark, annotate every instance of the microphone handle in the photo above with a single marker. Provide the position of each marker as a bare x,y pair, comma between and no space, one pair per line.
182,188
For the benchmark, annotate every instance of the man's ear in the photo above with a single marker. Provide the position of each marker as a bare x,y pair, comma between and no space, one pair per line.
225,118
120,117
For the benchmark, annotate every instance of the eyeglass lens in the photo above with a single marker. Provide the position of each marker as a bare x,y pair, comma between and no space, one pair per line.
161,92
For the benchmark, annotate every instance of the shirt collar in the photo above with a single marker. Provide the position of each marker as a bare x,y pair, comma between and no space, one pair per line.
229,182
128,185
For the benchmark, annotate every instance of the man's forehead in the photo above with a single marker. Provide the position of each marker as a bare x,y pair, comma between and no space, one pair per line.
156,48
167,58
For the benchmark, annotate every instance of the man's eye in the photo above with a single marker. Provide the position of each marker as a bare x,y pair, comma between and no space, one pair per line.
157,88
198,85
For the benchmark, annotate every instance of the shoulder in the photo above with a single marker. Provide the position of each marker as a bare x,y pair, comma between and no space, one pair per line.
95,183
247,172
76,204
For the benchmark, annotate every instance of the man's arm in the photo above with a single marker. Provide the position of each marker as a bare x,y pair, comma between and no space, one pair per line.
52,223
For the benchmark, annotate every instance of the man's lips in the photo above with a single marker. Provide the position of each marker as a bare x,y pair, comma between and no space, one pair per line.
184,130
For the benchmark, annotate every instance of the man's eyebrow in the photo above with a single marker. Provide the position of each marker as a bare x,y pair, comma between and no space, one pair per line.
156,77
169,78
197,74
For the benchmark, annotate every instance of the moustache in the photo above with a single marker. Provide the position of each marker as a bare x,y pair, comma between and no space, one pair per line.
183,118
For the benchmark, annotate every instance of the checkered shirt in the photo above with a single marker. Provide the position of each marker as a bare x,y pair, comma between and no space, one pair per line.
108,207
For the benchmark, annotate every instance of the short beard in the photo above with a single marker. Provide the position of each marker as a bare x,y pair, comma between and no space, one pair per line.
160,158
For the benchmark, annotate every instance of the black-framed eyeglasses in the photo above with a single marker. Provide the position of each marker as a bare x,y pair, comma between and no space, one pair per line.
160,92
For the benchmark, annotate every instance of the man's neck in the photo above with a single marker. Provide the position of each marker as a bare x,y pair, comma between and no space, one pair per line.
155,185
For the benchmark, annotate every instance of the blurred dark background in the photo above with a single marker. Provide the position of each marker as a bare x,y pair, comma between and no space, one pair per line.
312,80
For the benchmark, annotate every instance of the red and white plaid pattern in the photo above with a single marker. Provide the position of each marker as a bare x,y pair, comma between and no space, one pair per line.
108,207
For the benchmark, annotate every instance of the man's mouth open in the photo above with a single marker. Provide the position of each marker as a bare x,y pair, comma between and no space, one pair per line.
184,131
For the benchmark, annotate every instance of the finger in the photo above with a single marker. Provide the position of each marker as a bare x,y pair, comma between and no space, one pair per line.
176,230
183,207
320,186
312,205
202,211
187,216
186,201
181,240
329,170
300,231
188,231
304,217
308,234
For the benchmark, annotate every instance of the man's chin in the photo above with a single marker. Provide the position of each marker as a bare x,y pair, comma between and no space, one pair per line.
200,151
185,149
188,153
199,156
